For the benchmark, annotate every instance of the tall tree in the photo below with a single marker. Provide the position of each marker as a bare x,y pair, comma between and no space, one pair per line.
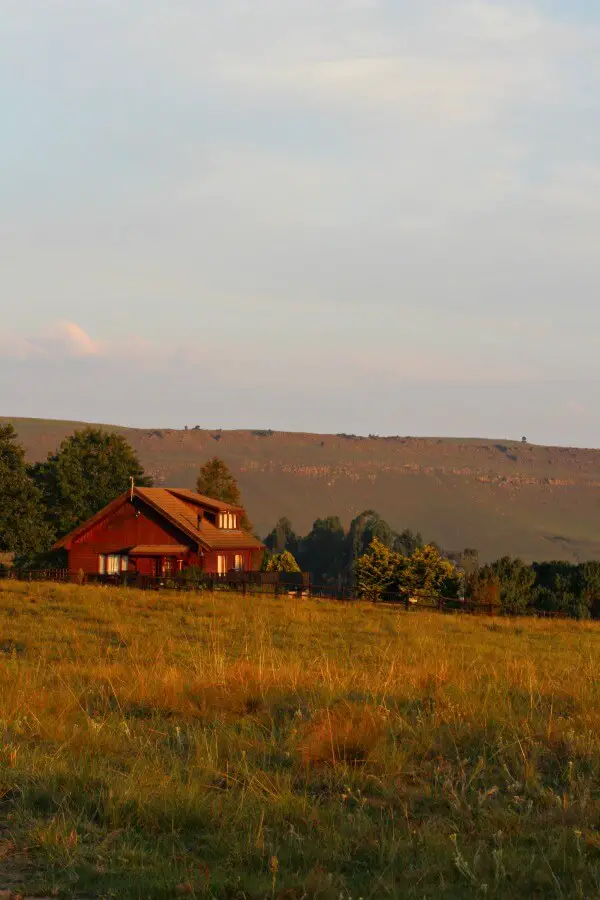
90,469
22,528
282,538
215,480
515,580
407,542
322,550
364,529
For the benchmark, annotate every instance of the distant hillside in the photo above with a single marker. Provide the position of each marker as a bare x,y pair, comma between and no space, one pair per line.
499,496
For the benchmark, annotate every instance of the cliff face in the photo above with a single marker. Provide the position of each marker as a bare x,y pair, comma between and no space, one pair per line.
499,496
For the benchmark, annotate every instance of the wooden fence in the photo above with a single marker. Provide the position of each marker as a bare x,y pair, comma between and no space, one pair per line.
276,583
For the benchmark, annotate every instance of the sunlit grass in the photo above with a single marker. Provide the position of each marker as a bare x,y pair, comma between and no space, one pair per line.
222,746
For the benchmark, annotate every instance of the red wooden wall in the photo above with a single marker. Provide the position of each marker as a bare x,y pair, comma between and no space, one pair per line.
130,525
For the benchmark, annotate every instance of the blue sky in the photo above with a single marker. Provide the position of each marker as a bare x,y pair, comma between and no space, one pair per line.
331,215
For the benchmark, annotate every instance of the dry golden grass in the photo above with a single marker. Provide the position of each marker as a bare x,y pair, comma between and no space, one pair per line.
223,746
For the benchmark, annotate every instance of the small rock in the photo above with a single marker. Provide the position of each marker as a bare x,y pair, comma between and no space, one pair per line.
6,895
184,888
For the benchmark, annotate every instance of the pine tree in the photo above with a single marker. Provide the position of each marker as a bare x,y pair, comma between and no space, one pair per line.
282,562
377,571
216,481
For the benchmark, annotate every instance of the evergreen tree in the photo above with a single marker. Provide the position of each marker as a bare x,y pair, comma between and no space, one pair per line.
282,562
516,582
364,529
407,542
90,469
429,574
283,537
22,528
377,571
322,550
216,481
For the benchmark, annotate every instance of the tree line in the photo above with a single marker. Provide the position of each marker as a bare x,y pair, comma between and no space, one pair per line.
373,560
40,503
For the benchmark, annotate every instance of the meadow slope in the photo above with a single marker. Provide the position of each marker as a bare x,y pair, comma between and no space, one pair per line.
154,746
502,497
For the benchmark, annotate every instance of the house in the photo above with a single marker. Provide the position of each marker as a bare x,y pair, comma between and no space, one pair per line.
159,532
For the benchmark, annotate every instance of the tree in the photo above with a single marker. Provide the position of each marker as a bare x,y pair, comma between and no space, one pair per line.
364,529
22,527
283,537
282,562
377,571
429,574
515,581
570,589
90,469
407,542
426,573
322,550
216,481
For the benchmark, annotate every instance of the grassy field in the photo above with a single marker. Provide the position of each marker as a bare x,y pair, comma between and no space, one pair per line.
216,746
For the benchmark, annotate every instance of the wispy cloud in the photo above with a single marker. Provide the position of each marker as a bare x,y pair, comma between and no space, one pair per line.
63,339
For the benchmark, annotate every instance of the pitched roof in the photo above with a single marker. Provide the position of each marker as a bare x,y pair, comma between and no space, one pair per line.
203,500
176,505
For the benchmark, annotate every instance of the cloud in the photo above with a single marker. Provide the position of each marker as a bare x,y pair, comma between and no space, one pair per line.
74,340
62,340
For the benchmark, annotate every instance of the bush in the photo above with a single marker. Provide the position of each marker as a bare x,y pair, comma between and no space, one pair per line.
282,562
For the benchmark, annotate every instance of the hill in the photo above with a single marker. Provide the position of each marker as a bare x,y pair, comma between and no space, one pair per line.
502,497
219,746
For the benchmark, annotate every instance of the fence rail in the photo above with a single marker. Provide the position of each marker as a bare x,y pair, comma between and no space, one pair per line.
276,583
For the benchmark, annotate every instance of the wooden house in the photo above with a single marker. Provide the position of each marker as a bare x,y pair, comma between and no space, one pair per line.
160,532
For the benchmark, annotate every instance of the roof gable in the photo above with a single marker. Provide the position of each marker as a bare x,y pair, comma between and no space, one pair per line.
174,504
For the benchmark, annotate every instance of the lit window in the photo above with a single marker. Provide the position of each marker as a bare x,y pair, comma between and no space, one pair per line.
101,564
239,562
227,521
115,563
221,565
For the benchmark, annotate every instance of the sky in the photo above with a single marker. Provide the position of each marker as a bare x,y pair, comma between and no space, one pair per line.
368,216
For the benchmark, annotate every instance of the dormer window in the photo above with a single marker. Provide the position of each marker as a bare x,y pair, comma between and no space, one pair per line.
228,521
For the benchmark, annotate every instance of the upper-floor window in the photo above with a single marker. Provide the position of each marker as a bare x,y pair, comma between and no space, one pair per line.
228,521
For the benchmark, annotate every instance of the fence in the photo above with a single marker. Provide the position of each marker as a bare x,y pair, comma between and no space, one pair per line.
276,583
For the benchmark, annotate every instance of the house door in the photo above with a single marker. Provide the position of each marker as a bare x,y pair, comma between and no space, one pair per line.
164,567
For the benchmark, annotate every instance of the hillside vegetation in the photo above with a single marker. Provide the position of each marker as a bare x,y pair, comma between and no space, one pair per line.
215,746
504,498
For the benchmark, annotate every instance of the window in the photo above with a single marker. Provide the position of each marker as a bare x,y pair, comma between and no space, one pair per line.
113,564
228,521
221,565
239,563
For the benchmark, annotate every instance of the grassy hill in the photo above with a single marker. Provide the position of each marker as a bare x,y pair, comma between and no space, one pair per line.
219,747
499,496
